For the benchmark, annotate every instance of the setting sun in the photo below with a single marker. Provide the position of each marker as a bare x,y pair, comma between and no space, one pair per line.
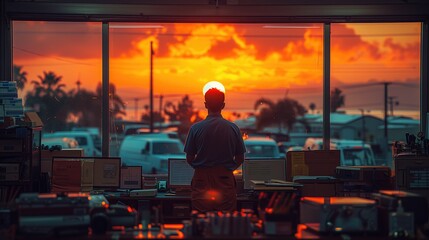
213,84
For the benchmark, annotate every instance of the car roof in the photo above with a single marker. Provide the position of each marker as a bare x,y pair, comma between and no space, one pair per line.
259,140
74,133
151,138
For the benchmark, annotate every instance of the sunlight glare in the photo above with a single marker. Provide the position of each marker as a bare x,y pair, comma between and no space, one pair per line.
213,84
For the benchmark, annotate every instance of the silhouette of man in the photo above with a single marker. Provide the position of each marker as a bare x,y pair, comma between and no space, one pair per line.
214,148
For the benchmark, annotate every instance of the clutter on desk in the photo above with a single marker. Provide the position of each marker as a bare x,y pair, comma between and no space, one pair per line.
418,145
339,214
279,211
219,224
319,186
362,181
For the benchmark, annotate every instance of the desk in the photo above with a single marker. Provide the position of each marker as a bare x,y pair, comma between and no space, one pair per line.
173,208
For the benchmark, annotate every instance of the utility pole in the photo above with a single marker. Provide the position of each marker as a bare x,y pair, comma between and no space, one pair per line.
151,87
362,111
160,104
392,103
386,84
136,108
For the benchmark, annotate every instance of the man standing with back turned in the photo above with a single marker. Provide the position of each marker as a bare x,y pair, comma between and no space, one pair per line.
214,148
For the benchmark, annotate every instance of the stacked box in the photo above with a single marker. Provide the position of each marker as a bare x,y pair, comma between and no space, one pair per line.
311,163
72,175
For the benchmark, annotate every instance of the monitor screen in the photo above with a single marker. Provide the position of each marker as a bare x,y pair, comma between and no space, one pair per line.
107,172
180,174
263,170
131,177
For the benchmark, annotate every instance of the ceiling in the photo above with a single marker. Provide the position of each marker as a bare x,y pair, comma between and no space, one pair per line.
249,11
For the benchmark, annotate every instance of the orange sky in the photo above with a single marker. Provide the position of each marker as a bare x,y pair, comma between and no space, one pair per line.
251,60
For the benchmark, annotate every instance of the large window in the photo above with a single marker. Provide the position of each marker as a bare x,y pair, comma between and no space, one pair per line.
272,74
58,69
375,81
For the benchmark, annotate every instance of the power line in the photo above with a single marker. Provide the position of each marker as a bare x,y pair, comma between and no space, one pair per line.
128,32
57,58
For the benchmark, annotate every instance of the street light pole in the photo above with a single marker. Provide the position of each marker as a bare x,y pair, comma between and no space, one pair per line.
386,84
363,125
151,88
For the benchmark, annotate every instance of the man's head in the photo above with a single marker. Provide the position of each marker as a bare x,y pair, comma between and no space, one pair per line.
214,100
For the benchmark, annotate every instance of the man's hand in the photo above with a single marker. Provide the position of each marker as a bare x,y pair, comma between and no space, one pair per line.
190,158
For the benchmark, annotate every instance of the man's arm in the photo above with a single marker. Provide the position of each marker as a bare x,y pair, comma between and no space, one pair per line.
190,158
239,159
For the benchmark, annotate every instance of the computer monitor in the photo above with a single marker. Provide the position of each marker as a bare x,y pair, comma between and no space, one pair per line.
74,174
180,175
263,169
131,177
107,172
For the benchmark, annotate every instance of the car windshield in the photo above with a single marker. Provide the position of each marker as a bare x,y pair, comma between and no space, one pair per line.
357,157
82,141
167,148
259,151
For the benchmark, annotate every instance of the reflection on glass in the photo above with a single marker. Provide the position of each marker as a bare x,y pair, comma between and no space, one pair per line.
272,74
57,66
375,85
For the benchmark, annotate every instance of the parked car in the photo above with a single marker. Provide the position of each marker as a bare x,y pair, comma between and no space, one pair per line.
63,142
152,153
261,147
352,152
84,139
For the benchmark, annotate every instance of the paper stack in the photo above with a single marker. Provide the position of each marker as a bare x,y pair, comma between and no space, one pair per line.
10,104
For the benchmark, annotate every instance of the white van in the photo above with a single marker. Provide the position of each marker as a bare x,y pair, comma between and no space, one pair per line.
352,152
152,153
84,139
261,147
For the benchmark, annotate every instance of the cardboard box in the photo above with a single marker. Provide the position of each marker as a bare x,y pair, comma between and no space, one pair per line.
311,163
47,156
72,175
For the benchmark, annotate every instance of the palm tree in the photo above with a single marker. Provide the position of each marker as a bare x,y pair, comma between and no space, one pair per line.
337,99
183,112
19,76
49,98
117,106
312,107
86,106
49,86
282,113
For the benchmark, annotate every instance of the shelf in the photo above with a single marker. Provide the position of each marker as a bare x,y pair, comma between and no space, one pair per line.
15,183
13,154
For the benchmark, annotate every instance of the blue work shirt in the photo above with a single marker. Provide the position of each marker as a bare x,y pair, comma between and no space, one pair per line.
215,141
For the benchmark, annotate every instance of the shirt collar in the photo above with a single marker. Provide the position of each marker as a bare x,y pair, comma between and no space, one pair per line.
214,115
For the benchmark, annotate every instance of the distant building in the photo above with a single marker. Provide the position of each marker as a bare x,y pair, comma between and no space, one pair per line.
343,126
398,126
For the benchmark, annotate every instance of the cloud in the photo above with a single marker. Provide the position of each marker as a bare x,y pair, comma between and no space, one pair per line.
56,39
347,46
400,52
